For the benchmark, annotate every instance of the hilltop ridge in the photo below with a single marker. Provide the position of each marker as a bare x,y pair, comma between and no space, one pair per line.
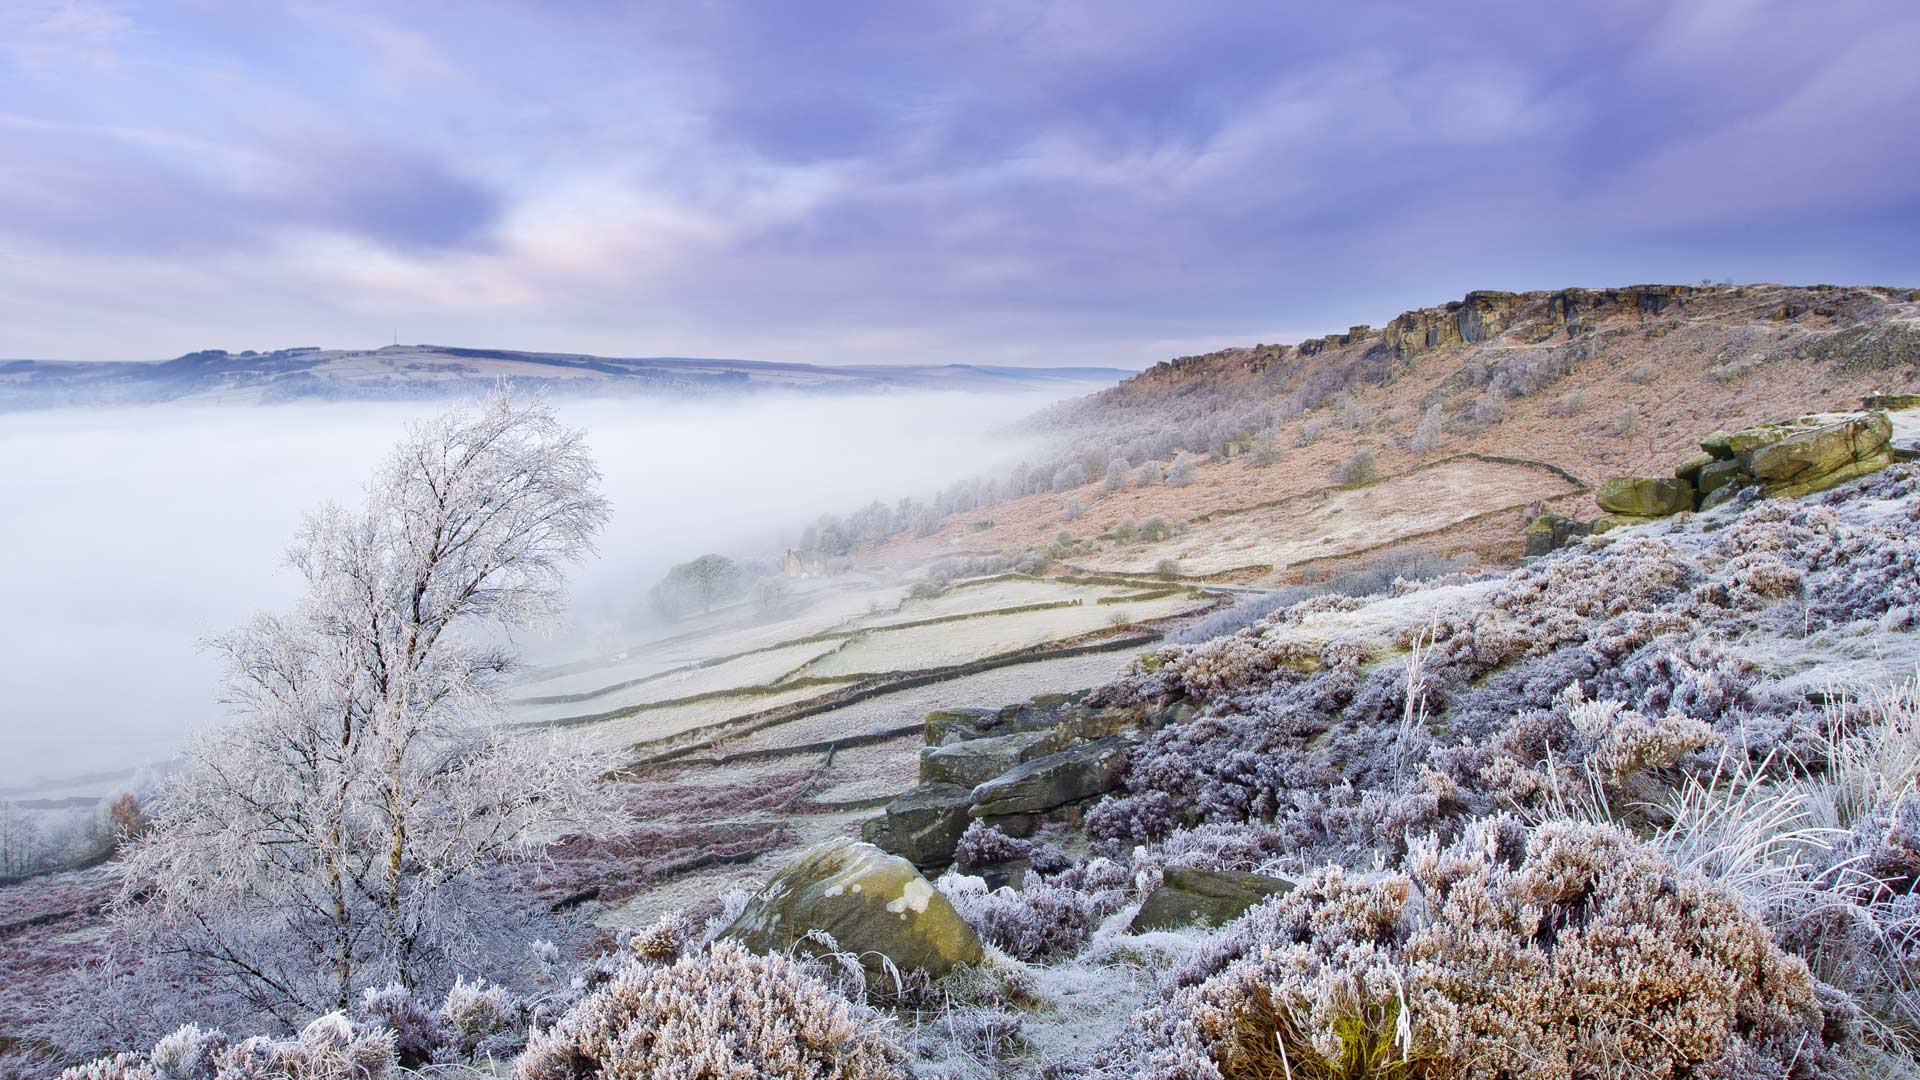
1450,408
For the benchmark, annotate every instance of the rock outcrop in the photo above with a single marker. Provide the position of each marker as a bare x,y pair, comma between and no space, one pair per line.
1551,532
977,761
870,903
1014,768
1784,460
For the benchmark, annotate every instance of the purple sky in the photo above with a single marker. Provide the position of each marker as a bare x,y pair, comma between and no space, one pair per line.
1018,182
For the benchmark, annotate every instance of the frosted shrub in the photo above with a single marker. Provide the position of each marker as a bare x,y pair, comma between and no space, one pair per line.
1050,917
1563,954
984,844
483,1021
117,1067
1432,431
718,1015
1357,469
191,1052
329,1048
326,1049
417,1031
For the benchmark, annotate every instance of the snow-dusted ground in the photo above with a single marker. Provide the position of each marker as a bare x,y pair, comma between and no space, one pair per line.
1343,521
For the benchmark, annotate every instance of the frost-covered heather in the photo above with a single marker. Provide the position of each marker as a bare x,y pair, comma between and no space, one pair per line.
716,1014
1678,646
1572,951
329,1048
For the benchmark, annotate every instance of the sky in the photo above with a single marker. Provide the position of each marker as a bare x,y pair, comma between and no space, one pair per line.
994,182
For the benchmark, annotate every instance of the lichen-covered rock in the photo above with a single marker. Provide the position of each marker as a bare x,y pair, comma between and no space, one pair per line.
1187,896
1551,532
1689,470
948,726
1645,496
869,902
977,761
1719,475
1821,457
1606,523
1054,780
922,825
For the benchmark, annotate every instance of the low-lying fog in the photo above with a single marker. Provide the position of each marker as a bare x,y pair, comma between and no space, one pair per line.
131,534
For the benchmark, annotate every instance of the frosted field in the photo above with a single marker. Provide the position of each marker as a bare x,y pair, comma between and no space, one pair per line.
630,733
648,712
1343,521
945,644
821,607
754,669
1000,686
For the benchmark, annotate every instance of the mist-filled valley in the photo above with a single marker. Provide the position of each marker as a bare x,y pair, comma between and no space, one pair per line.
135,533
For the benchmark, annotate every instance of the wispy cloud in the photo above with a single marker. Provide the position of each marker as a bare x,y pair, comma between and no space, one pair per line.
1077,182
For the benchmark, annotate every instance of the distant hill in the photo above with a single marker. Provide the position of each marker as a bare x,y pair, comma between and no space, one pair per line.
407,372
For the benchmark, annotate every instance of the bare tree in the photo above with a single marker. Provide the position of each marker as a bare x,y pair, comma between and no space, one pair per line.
340,833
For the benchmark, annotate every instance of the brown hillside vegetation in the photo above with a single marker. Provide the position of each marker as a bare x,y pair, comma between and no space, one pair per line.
1573,385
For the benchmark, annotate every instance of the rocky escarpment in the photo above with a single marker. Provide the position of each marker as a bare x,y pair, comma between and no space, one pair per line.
1870,326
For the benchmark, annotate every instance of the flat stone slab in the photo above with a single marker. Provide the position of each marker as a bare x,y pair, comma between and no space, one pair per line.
1187,897
1054,780
977,761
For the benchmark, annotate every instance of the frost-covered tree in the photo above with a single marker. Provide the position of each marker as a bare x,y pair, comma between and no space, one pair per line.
341,832
697,585
1182,472
1432,430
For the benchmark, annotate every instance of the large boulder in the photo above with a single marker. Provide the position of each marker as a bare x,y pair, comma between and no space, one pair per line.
923,825
1186,897
1819,458
871,903
1645,496
1054,780
977,761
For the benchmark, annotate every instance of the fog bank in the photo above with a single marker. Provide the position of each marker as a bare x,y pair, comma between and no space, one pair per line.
132,534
